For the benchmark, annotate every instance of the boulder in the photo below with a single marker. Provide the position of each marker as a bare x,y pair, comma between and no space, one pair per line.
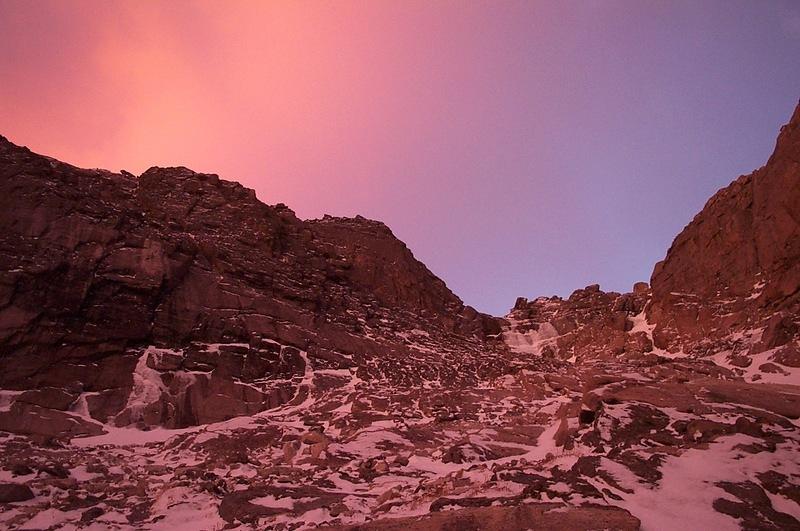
15,492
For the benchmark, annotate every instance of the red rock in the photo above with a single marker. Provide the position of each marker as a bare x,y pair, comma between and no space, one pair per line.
179,299
49,397
788,355
737,264
641,288
517,518
14,492
101,264
30,419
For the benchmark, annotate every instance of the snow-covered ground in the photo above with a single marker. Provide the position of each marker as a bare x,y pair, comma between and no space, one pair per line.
660,439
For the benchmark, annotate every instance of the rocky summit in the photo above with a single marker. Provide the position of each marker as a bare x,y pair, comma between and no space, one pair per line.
176,354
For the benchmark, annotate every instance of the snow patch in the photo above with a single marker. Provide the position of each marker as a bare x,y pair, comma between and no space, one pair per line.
530,342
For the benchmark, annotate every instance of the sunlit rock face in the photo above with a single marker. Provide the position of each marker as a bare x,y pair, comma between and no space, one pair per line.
729,284
173,350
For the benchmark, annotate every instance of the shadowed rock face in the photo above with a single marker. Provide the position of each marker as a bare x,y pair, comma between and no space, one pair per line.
590,325
325,377
96,266
95,257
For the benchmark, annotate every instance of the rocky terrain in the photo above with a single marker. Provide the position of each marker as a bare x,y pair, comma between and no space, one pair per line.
175,354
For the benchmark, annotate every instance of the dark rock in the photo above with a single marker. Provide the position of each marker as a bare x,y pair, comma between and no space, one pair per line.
91,514
49,397
95,265
236,506
14,492
755,510
586,416
21,469
788,356
55,470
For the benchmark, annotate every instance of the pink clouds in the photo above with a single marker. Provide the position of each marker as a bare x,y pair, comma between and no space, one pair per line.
497,139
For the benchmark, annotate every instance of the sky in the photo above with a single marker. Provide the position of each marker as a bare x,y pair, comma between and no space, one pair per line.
519,148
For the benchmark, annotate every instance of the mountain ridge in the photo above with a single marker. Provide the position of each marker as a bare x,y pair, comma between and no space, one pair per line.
171,347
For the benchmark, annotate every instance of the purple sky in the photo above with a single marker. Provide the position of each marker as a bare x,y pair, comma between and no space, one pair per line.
518,148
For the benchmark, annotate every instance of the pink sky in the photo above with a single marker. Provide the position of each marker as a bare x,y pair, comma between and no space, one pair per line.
519,148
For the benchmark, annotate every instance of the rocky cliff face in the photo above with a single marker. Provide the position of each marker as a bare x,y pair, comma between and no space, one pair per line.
590,325
322,377
730,283
747,234
194,273
728,289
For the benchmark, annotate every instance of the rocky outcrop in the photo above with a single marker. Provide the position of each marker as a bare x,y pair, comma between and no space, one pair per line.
532,516
590,325
728,287
13,492
737,264
367,395
177,298
97,267
747,234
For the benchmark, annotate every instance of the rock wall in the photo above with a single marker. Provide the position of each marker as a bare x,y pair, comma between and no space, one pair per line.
100,271
729,286
736,266
96,267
